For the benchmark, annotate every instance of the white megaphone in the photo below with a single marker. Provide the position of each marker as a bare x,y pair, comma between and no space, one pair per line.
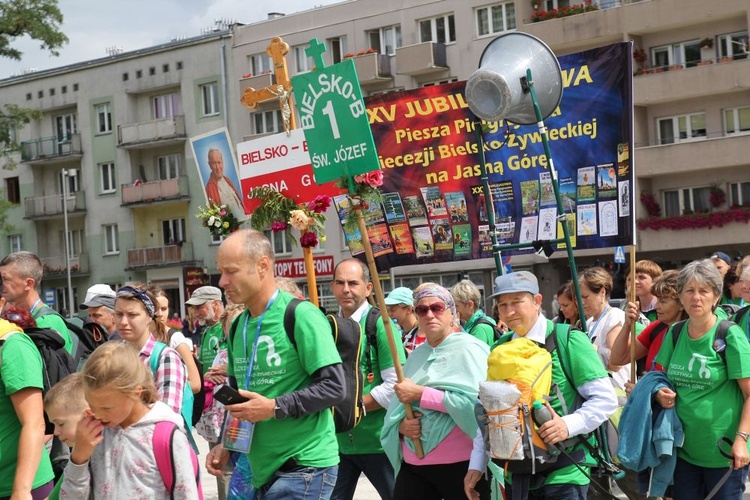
499,88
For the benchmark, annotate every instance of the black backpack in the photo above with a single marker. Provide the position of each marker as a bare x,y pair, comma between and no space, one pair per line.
56,362
85,338
347,336
484,321
721,334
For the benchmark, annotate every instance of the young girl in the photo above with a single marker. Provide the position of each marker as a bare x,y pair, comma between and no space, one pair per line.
114,453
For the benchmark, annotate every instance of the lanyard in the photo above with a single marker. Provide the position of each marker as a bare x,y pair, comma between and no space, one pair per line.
251,363
596,323
38,302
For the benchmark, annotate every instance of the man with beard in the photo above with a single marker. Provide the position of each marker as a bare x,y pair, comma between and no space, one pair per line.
207,307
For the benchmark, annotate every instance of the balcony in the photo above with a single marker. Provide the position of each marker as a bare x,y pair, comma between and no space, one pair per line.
678,84
680,239
55,267
51,150
41,207
421,59
155,191
373,68
168,255
692,156
160,132
256,83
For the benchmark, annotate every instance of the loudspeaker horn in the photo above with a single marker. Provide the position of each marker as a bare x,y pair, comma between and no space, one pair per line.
499,90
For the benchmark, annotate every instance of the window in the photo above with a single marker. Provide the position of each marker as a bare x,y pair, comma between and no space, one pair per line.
139,73
688,200
28,96
152,71
304,63
210,99
173,231
166,106
107,171
686,53
737,120
268,122
64,89
125,77
71,176
440,82
385,40
169,166
739,194
734,45
62,299
13,190
51,92
440,29
216,239
40,94
165,68
260,64
282,244
495,18
337,48
111,239
15,243
75,87
75,242
103,118
179,65
66,126
682,128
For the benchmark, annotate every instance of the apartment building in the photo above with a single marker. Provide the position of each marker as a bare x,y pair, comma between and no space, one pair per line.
109,162
691,97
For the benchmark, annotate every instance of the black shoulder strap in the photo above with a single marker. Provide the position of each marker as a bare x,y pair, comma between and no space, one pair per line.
676,331
289,320
658,330
371,325
722,329
484,321
551,343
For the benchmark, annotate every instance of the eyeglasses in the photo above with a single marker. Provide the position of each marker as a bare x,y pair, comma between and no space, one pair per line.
437,309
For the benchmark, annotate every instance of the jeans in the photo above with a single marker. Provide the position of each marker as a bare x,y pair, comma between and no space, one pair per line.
376,467
692,481
559,492
302,483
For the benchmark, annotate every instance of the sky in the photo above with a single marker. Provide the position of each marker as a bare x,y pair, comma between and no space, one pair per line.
94,25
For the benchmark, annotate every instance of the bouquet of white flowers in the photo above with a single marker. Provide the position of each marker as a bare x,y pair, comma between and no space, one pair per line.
218,219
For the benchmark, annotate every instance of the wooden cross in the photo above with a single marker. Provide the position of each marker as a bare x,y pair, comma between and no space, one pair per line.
281,90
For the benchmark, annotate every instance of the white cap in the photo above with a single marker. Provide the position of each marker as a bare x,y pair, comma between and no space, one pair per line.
99,289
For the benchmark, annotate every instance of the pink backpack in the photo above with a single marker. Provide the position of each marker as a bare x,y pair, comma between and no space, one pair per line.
162,444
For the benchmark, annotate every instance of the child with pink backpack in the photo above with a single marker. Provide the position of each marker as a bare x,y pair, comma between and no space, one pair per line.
128,445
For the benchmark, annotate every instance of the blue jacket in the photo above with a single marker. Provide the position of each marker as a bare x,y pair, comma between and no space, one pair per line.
649,436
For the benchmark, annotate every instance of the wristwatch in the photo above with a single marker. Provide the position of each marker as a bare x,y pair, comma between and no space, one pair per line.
278,413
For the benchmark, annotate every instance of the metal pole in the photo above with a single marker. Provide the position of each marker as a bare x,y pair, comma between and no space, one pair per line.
67,241
489,206
560,209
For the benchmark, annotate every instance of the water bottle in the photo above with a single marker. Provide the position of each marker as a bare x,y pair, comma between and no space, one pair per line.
541,414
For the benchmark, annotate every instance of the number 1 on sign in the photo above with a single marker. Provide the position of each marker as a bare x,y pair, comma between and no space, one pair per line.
328,111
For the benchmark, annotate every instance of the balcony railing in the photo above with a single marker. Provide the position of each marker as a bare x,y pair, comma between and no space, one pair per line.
373,68
149,192
160,256
51,148
142,133
55,266
52,206
421,59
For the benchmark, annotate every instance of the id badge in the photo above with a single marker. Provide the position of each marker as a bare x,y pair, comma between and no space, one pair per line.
238,434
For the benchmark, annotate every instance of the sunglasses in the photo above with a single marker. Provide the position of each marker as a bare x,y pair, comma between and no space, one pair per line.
437,309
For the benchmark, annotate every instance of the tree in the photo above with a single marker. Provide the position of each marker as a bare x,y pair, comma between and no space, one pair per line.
39,20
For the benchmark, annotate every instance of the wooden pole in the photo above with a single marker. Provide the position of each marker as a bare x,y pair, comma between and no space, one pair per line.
380,299
631,298
312,286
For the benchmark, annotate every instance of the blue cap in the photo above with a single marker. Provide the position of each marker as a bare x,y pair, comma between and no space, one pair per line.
521,281
400,295
722,256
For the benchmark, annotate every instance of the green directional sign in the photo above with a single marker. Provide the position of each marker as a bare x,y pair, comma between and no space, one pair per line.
334,119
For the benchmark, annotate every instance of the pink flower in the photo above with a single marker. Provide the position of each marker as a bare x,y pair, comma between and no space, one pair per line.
372,179
320,204
223,213
308,240
278,226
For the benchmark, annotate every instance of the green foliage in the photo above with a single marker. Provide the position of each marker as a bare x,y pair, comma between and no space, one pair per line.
13,118
5,205
37,19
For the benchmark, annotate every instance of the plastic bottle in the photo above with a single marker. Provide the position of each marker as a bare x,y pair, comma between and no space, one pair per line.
541,414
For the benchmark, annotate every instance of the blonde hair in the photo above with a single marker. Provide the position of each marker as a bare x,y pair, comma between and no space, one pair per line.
66,396
230,313
161,330
117,367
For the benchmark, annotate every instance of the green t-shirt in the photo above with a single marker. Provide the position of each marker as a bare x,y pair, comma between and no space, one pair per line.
482,331
210,340
709,400
365,437
55,495
281,369
56,323
21,368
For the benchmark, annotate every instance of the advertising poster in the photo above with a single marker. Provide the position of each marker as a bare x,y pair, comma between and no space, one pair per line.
433,197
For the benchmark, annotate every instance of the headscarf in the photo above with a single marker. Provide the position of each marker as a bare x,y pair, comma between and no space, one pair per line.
140,295
439,292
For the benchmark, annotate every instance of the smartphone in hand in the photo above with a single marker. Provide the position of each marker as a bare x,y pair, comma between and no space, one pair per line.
228,396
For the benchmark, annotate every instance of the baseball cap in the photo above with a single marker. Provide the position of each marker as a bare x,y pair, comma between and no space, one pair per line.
204,294
722,256
98,289
521,281
400,295
98,301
